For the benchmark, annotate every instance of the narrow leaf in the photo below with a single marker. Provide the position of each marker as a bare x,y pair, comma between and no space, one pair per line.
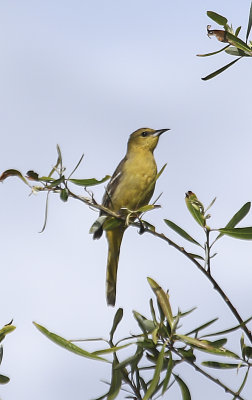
243,384
110,349
116,382
89,182
199,328
234,328
117,319
156,376
233,51
111,223
197,256
215,52
77,166
1,354
46,213
183,387
237,42
4,379
238,233
168,373
5,331
205,346
67,344
160,172
12,172
219,71
219,19
218,365
239,215
237,31
181,232
148,207
163,299
249,23
58,162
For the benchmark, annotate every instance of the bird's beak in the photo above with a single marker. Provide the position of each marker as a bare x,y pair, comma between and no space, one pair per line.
159,132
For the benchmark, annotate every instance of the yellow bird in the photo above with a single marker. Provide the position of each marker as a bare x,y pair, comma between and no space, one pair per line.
131,186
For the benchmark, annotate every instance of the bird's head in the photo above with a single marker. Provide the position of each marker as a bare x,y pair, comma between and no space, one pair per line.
145,138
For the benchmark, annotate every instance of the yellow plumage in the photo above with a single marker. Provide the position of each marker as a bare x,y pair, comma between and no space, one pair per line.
131,187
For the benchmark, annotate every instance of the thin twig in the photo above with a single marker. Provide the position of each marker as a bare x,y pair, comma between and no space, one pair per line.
208,376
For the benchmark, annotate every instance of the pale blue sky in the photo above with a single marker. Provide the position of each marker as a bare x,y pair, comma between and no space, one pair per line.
85,74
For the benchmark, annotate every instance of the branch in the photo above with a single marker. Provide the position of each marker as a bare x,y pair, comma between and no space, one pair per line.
207,273
210,377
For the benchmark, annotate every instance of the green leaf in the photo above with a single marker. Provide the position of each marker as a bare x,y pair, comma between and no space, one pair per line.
249,23
239,215
160,172
234,328
199,328
58,162
148,207
237,31
4,379
242,385
205,346
215,52
67,344
117,319
237,42
1,354
156,376
218,365
146,325
183,387
247,351
195,207
181,232
46,213
238,233
219,71
64,194
89,182
187,354
153,314
219,19
12,172
77,166
110,349
163,299
196,256
6,330
233,51
111,223
116,382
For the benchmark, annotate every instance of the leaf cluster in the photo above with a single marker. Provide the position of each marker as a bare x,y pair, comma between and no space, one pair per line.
236,46
157,350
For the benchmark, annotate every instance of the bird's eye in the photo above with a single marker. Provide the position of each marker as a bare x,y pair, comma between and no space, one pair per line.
144,134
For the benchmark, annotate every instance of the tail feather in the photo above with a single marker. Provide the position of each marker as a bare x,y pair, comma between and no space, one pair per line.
114,238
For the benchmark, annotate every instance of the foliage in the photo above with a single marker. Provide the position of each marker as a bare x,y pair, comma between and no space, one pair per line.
162,344
236,47
8,328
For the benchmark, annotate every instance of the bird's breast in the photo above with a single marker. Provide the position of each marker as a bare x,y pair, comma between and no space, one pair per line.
137,184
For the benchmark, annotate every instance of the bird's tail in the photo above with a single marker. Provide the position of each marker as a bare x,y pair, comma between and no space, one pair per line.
114,238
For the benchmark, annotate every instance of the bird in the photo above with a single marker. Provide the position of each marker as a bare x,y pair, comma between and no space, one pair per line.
131,186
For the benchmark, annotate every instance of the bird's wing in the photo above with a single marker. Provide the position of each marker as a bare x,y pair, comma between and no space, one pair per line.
107,200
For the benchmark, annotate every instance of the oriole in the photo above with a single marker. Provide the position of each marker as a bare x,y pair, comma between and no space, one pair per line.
131,186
